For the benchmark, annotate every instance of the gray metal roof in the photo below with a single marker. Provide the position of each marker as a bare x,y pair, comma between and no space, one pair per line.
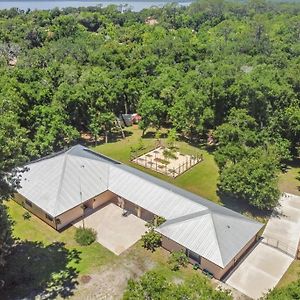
214,232
54,183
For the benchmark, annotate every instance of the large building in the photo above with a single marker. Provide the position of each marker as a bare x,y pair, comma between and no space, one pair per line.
60,187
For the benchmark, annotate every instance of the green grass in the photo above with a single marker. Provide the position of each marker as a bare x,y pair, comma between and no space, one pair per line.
160,259
200,179
292,274
91,257
288,181
44,254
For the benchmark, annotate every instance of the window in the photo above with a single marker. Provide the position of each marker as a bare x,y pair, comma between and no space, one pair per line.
194,256
28,203
49,217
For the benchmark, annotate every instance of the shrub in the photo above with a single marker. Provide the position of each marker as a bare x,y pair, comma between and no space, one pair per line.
140,145
26,215
156,222
85,236
169,154
178,259
151,240
171,139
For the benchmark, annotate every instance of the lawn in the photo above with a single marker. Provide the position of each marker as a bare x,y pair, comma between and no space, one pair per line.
292,274
288,181
91,257
200,179
46,260
46,256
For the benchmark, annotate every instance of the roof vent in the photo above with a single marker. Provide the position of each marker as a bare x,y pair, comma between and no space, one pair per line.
228,226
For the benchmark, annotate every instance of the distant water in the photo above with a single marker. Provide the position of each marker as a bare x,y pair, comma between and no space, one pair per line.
43,5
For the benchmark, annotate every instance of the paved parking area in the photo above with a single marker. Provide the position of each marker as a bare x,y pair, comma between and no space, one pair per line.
115,232
262,269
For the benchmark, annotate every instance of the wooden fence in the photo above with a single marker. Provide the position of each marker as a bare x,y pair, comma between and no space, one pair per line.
164,169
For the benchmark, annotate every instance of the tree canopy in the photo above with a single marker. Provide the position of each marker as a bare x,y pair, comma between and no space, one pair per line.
155,286
73,70
226,68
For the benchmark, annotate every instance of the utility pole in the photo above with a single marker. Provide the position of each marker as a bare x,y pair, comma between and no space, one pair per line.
80,192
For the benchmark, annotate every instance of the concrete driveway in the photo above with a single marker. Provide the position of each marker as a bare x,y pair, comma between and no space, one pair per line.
115,232
283,228
262,269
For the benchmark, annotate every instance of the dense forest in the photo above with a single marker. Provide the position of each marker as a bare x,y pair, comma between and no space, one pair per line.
230,71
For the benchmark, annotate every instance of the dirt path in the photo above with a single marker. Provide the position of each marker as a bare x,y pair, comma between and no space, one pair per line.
110,282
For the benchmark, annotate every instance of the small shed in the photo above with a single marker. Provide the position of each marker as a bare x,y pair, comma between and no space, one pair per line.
130,119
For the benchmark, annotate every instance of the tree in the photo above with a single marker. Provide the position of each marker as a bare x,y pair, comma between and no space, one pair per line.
65,26
152,112
172,137
178,259
51,129
6,239
235,137
151,286
289,292
13,152
239,129
35,37
151,239
252,180
154,285
191,114
101,122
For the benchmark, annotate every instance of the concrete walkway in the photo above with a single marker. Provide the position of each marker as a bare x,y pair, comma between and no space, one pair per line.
115,232
262,269
283,229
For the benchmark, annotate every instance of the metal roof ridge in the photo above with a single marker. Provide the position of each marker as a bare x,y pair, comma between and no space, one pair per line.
217,238
61,179
186,217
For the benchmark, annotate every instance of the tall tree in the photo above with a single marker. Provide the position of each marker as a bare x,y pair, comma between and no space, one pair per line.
252,180
152,112
13,152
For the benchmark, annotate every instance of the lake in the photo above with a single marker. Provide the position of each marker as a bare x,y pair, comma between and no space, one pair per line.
42,5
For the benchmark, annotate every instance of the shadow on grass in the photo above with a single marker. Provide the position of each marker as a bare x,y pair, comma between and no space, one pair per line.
113,137
34,269
294,163
151,135
116,136
244,208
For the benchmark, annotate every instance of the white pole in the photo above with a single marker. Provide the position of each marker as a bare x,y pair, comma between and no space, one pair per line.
82,207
